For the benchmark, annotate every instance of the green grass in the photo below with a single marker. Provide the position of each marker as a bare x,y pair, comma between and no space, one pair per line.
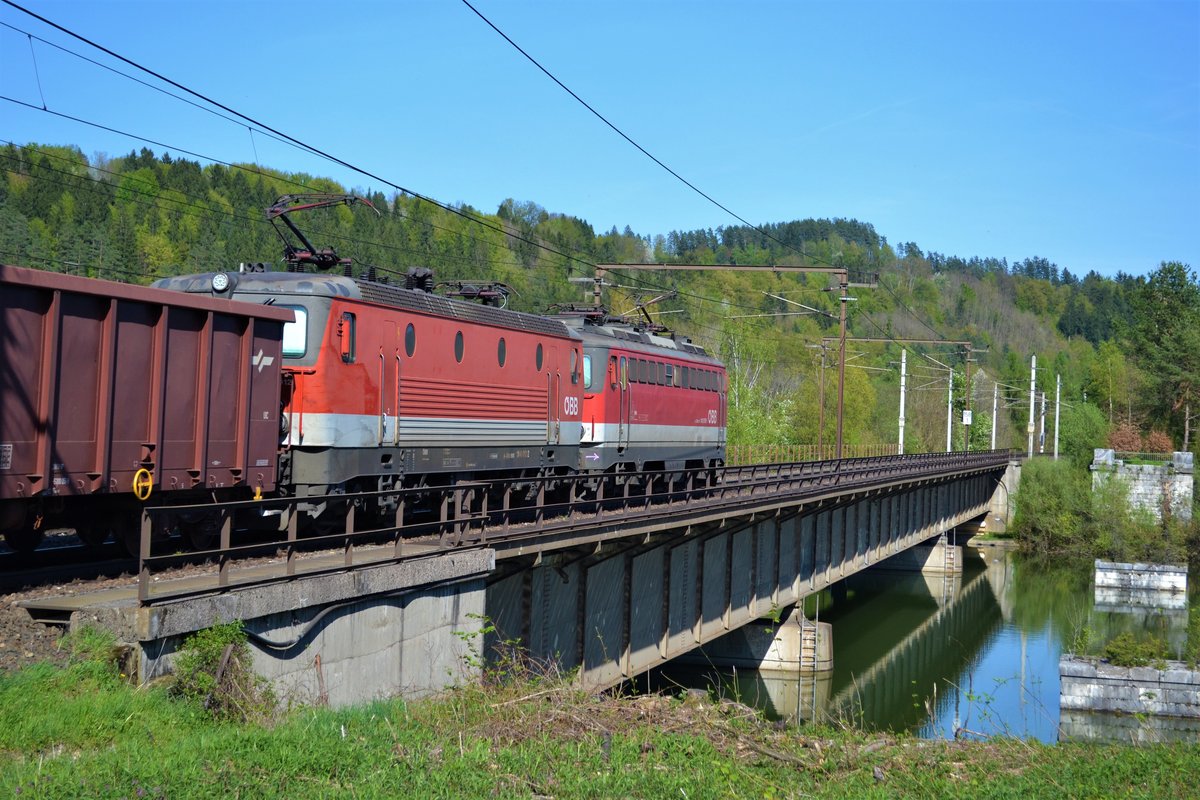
83,732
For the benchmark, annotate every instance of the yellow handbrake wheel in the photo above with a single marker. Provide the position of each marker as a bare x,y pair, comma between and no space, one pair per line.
143,484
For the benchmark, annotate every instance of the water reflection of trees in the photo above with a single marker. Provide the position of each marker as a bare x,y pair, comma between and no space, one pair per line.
1058,597
1048,592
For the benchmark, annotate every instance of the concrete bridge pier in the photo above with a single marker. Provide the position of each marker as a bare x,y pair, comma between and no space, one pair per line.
795,645
937,557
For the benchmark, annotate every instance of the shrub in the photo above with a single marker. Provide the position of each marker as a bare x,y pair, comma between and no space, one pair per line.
1158,442
1126,651
1125,438
1051,503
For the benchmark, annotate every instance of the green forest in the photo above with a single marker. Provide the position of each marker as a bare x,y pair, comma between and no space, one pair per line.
1126,348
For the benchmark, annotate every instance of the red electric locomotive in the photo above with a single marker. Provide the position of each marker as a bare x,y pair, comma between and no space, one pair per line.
385,387
650,402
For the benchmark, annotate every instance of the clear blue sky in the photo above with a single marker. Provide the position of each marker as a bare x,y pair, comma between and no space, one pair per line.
1069,130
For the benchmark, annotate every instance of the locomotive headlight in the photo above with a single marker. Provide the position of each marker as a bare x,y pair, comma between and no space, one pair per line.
220,282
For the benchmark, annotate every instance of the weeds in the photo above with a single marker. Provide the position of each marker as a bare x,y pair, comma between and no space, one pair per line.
213,668
1127,651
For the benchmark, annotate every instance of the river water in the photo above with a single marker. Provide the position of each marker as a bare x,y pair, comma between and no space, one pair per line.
972,655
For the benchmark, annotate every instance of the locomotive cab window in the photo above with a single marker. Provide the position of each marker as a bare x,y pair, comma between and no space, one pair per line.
295,334
587,372
346,334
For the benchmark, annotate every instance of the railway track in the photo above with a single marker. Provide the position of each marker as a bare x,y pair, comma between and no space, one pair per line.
563,512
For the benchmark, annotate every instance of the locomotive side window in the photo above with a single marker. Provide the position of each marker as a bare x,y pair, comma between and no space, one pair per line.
537,357
295,334
575,366
661,377
672,375
624,373
501,351
643,371
346,333
684,370
458,347
612,372
587,371
410,340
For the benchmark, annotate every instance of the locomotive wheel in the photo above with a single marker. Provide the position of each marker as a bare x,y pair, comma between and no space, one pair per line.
23,540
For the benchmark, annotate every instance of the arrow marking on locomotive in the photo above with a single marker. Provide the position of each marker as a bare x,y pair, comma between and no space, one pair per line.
592,456
261,360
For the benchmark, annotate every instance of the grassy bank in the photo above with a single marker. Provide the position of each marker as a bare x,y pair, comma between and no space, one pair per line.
83,732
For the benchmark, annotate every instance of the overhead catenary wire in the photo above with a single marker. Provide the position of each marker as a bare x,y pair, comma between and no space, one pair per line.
279,135
287,137
200,208
658,161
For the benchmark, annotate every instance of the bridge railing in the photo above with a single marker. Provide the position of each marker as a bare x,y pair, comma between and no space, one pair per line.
741,454
426,520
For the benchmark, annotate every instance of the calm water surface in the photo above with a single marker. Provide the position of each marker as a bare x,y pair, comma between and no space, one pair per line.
970,655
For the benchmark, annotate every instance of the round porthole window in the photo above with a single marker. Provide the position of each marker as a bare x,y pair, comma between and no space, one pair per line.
501,351
538,357
410,340
458,347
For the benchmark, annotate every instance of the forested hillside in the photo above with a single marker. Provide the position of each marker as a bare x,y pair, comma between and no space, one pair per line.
1127,348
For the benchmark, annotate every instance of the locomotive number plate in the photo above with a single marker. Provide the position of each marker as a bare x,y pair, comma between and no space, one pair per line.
6,456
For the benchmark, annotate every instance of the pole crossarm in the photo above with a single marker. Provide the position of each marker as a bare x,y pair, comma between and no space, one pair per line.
885,340
726,268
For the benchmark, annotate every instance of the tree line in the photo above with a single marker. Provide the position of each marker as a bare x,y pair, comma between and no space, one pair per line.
1127,348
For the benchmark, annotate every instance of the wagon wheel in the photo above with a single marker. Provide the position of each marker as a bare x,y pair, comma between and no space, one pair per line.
201,534
127,529
24,540
93,536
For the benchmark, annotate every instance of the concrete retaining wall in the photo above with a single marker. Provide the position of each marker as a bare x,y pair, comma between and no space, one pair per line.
1091,685
1151,486
1096,726
409,629
1146,577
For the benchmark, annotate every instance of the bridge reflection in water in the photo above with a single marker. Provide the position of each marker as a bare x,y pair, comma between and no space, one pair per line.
905,649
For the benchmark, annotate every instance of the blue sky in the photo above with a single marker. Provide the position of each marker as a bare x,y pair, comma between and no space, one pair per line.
1069,130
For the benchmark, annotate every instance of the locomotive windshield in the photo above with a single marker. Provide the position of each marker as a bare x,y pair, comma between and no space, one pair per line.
295,334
